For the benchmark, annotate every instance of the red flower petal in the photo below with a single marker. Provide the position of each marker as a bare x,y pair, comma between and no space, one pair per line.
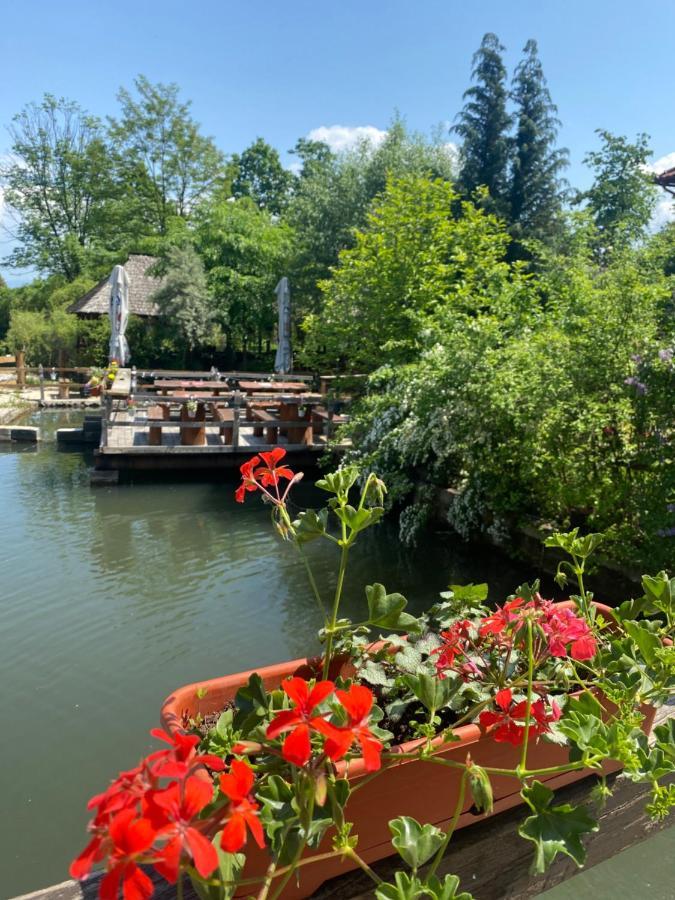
80,867
255,825
371,749
238,782
233,837
297,689
297,748
358,701
287,718
137,885
204,854
503,698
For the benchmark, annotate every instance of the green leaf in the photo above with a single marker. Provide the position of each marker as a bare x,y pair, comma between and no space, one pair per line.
340,481
405,887
433,692
554,829
471,593
648,643
446,889
386,610
414,843
310,525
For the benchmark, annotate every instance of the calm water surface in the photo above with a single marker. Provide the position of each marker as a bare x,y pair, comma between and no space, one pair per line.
111,597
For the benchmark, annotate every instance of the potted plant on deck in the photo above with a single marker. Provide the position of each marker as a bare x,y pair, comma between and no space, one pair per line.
271,781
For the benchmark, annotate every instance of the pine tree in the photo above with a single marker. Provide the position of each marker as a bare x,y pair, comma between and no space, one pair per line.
483,125
536,186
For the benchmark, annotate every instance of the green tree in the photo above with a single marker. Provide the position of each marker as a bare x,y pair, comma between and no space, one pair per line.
184,299
28,332
483,125
413,269
58,184
260,176
164,161
333,195
245,252
622,196
536,191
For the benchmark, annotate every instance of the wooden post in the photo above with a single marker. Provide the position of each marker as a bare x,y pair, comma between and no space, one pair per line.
107,412
329,423
41,372
21,368
235,422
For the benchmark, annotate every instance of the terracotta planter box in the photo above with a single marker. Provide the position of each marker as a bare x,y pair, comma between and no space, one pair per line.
412,788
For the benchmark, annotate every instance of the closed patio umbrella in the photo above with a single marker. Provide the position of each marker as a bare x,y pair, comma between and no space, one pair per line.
119,315
283,361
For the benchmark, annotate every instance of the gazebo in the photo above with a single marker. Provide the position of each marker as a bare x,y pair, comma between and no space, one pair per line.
666,180
142,285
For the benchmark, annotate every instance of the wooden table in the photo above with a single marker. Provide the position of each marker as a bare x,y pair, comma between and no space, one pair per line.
171,386
252,387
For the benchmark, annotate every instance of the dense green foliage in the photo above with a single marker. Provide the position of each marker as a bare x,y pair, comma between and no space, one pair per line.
546,394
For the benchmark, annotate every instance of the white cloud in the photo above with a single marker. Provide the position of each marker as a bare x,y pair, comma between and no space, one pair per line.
665,162
344,137
663,213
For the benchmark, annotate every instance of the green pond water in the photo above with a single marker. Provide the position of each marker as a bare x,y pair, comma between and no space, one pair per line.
111,597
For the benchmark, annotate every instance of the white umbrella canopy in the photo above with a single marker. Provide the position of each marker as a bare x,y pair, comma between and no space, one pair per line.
283,362
119,315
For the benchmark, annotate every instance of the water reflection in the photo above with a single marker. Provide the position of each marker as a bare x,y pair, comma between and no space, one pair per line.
113,596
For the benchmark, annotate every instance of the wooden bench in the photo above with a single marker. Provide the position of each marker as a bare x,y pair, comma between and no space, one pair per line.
267,423
195,434
225,417
322,418
253,405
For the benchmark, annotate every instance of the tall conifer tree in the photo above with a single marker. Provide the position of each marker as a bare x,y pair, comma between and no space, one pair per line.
483,125
536,186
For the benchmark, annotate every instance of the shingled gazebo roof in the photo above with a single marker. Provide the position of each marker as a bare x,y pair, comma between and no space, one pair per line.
666,180
141,287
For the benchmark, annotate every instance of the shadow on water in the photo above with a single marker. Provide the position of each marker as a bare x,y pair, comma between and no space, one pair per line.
113,596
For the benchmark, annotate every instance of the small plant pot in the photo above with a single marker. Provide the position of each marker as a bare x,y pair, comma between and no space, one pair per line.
414,788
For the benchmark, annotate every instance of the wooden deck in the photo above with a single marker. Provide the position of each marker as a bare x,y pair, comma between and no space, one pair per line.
490,858
125,445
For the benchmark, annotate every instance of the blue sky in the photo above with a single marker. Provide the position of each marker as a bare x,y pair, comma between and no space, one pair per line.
280,70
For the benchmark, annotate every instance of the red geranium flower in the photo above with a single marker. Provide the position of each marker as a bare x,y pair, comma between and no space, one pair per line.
563,628
509,720
297,747
237,784
248,481
131,838
179,761
176,808
358,702
270,473
454,645
502,618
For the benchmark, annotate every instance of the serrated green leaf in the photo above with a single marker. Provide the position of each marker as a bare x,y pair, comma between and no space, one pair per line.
554,829
433,692
414,843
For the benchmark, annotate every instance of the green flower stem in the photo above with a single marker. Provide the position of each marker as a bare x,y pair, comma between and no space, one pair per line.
354,856
451,828
309,812
330,628
310,576
269,875
179,886
528,702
